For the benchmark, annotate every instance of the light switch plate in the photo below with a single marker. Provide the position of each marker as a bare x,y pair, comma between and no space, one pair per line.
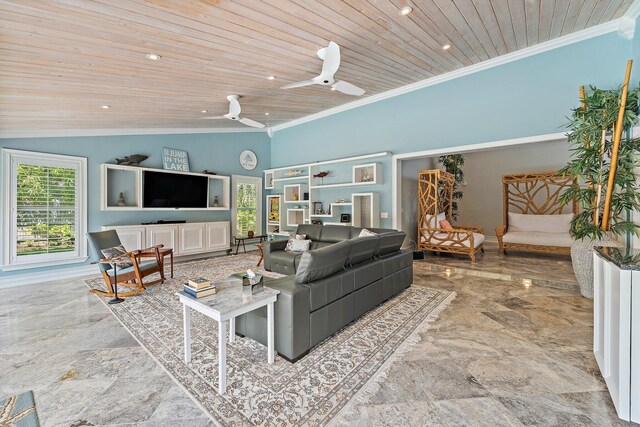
384,215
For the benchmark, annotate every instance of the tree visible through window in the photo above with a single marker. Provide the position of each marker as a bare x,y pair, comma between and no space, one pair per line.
246,208
45,209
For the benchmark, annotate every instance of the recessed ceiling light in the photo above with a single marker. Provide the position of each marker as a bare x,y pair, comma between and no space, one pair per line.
153,56
446,47
333,88
406,10
266,114
271,78
204,111
105,107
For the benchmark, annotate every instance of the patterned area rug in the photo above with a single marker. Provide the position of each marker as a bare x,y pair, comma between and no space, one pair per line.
314,391
19,411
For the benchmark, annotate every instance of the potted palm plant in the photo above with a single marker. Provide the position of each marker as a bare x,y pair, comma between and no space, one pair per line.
603,166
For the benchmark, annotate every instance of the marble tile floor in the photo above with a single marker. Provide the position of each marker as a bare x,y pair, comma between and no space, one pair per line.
548,270
502,354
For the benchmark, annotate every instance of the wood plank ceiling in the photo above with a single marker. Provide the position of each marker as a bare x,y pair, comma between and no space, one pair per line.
61,60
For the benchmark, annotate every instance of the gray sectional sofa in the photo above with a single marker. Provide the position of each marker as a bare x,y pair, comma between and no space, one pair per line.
342,277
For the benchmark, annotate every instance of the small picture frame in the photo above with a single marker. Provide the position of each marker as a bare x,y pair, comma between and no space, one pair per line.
345,217
318,208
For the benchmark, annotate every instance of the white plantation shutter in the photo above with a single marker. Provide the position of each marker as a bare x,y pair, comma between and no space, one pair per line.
46,215
247,205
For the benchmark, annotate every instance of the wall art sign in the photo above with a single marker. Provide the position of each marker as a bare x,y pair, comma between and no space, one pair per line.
175,160
248,160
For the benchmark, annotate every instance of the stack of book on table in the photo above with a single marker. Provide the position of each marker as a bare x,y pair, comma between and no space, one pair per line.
199,288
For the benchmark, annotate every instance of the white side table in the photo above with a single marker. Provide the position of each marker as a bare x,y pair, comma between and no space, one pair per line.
228,303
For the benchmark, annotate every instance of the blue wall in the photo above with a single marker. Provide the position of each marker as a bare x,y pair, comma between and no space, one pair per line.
217,152
531,96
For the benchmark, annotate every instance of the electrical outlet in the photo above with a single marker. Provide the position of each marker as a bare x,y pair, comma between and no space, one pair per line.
384,215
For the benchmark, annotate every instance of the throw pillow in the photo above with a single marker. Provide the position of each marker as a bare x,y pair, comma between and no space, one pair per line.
445,224
117,251
293,237
299,245
365,233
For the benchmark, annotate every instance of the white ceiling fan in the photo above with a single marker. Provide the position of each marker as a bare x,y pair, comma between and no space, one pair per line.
331,57
234,113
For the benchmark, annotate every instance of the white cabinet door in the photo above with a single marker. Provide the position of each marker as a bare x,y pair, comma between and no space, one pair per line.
132,238
166,235
218,234
192,238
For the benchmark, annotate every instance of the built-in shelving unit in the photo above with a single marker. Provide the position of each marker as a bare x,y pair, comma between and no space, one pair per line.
116,179
293,183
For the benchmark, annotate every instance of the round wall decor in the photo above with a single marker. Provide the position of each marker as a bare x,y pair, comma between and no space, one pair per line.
248,160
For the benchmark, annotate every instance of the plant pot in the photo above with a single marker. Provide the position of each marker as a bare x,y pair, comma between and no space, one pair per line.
582,260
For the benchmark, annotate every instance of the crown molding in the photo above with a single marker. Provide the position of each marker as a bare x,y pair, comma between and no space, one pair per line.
620,25
115,132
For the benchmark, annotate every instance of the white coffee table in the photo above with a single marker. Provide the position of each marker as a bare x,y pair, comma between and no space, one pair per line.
228,303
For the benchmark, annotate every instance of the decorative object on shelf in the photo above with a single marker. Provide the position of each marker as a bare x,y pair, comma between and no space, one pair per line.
295,172
345,217
175,160
318,208
305,196
341,201
133,160
453,164
248,160
364,175
208,172
274,209
316,222
601,164
121,199
294,197
321,175
216,202
250,234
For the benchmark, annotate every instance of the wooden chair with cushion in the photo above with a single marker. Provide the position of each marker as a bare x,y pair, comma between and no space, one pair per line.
132,269
435,203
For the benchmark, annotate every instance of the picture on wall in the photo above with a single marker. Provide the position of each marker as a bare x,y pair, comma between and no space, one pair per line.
274,209
175,160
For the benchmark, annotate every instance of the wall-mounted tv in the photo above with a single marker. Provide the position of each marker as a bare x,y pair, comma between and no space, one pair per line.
172,190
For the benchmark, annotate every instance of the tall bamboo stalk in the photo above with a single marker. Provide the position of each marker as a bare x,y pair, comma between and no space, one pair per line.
616,148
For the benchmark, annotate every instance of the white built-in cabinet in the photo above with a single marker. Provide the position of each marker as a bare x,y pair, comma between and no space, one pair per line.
190,238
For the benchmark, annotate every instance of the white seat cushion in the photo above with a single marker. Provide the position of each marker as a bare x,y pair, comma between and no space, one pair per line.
540,223
478,239
538,238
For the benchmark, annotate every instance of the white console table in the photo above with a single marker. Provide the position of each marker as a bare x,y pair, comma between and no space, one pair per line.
190,238
616,321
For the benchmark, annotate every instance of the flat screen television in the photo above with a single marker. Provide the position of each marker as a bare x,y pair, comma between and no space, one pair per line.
172,190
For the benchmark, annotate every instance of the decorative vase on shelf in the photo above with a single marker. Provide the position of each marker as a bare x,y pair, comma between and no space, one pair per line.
294,197
250,234
216,202
121,199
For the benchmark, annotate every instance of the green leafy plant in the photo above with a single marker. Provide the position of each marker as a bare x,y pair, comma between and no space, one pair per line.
453,164
591,138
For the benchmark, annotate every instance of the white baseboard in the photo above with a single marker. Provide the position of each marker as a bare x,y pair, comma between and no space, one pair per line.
48,276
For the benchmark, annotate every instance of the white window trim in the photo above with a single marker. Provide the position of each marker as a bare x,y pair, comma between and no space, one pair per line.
8,190
235,179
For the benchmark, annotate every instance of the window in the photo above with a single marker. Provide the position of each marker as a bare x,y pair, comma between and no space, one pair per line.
44,209
247,205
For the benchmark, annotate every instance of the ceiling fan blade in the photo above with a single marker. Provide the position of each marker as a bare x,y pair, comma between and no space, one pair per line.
348,88
234,106
331,61
213,118
251,123
298,84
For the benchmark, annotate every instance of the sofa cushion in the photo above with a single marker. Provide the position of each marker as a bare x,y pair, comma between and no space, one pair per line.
323,262
143,267
310,230
366,233
297,245
540,223
284,262
334,233
389,242
329,289
538,238
362,249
